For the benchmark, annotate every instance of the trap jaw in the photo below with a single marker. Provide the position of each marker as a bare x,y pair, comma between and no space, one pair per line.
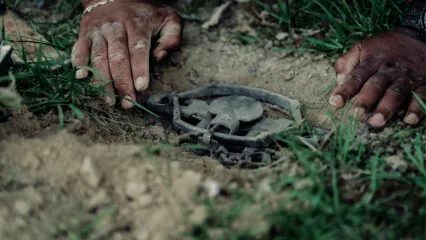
234,118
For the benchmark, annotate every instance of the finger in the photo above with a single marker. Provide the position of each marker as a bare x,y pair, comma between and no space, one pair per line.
415,111
391,101
347,63
171,36
372,91
353,82
80,56
119,63
99,60
139,40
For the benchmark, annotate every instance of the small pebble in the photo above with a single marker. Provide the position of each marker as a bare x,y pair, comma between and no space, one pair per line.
211,187
99,198
145,200
396,163
33,195
376,143
281,36
135,189
22,207
390,150
373,136
90,173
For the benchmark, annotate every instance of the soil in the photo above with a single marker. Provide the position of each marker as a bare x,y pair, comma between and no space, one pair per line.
107,177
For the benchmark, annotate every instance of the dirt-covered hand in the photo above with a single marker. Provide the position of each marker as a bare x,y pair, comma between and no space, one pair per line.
116,38
383,71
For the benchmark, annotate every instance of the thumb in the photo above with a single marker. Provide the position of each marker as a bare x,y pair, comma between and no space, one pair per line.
346,63
170,36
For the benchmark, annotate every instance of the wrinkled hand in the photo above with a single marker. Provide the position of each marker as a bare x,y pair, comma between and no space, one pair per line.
117,39
383,71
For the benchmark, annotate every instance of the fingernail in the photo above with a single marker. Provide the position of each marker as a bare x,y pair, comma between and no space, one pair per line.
340,79
126,103
110,100
359,113
141,83
336,100
378,120
81,73
411,119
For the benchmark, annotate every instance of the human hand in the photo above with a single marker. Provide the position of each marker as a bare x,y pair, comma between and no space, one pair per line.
117,38
383,71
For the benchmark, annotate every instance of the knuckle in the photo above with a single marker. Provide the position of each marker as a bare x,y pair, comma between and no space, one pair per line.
355,79
344,90
400,87
374,84
378,81
107,27
117,56
371,62
98,59
138,46
397,90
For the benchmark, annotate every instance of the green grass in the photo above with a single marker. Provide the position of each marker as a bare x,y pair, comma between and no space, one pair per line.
340,23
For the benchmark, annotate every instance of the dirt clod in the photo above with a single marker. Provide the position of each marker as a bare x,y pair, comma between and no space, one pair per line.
22,207
397,163
90,173
100,198
135,189
211,188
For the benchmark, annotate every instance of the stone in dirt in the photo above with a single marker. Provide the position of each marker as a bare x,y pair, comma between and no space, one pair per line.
31,161
157,132
281,36
33,195
99,198
90,173
211,188
22,207
135,189
397,163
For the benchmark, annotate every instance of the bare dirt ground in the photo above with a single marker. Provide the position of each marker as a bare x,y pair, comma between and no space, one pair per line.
98,178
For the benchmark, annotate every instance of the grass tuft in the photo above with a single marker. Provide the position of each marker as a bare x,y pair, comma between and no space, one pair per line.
340,24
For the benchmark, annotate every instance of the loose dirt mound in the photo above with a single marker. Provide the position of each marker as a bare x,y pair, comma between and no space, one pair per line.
60,186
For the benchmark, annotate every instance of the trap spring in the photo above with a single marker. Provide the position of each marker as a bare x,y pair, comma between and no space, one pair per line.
230,119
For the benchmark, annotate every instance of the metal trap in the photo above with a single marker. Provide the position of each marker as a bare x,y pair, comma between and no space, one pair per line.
231,120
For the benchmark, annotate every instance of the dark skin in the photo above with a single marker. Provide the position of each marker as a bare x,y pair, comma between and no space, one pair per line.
118,36
380,72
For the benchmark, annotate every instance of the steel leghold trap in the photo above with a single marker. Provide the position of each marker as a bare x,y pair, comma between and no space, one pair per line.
231,120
